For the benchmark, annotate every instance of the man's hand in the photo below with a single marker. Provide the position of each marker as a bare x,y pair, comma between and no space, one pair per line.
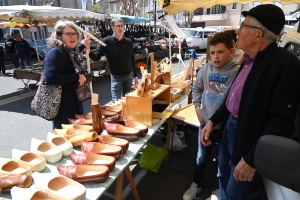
243,172
205,133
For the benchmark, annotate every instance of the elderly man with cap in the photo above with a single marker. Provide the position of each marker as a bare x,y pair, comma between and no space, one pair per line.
262,100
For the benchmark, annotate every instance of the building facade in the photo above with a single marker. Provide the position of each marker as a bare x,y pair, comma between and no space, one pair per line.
76,4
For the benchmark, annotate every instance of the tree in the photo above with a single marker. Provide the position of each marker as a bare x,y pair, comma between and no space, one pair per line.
96,8
190,18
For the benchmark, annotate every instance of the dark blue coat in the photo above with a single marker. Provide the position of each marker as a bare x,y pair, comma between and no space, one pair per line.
59,70
22,48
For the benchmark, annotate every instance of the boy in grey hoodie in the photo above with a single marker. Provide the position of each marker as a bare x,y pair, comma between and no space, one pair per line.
211,87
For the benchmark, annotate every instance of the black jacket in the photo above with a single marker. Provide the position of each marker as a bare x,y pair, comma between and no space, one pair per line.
119,55
22,48
268,104
10,46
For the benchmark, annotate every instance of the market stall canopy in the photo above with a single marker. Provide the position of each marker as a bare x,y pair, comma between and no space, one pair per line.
172,7
130,19
42,14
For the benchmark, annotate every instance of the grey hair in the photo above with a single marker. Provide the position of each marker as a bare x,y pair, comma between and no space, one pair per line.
114,20
268,35
55,37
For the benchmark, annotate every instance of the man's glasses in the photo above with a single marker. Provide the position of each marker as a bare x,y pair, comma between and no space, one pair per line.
119,26
245,25
70,34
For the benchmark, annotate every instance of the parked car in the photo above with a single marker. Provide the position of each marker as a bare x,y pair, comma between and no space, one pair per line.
277,159
198,36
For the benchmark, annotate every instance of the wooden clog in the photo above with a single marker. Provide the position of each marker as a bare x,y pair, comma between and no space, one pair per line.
23,181
11,167
59,185
120,131
32,193
43,148
103,149
93,159
60,142
33,160
85,173
77,126
69,133
87,137
105,139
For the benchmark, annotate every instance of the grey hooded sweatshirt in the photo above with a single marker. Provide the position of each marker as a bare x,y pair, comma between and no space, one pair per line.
212,85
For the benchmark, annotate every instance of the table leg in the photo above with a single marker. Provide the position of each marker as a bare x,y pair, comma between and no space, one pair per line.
132,184
25,86
119,187
169,121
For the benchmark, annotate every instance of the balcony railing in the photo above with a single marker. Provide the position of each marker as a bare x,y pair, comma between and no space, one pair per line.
212,17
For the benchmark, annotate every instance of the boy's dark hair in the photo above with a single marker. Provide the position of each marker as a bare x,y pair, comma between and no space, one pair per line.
222,37
232,33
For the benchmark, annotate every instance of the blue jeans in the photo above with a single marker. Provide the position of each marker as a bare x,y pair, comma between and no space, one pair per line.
230,189
24,60
202,158
120,85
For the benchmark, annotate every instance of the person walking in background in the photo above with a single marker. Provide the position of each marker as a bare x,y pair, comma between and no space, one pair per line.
120,57
262,100
10,48
59,70
2,61
211,87
22,50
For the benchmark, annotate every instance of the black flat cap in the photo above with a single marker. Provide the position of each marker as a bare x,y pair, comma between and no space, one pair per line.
269,15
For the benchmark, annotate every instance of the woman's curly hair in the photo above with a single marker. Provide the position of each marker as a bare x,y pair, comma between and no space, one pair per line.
55,37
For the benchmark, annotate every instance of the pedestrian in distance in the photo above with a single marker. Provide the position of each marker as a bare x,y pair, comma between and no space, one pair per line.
262,100
10,48
22,50
120,57
210,89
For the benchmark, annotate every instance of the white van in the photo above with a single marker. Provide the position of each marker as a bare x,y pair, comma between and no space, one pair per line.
199,36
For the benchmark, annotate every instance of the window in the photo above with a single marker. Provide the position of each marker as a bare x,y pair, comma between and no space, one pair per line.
199,34
3,2
32,2
233,6
151,5
207,33
114,8
218,9
198,11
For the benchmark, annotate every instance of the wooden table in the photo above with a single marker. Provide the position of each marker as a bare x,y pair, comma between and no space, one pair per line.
29,74
96,190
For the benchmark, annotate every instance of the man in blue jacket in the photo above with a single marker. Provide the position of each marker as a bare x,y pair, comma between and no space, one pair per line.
262,100
22,50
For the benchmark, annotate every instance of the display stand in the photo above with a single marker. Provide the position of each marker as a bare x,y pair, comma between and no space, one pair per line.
140,108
